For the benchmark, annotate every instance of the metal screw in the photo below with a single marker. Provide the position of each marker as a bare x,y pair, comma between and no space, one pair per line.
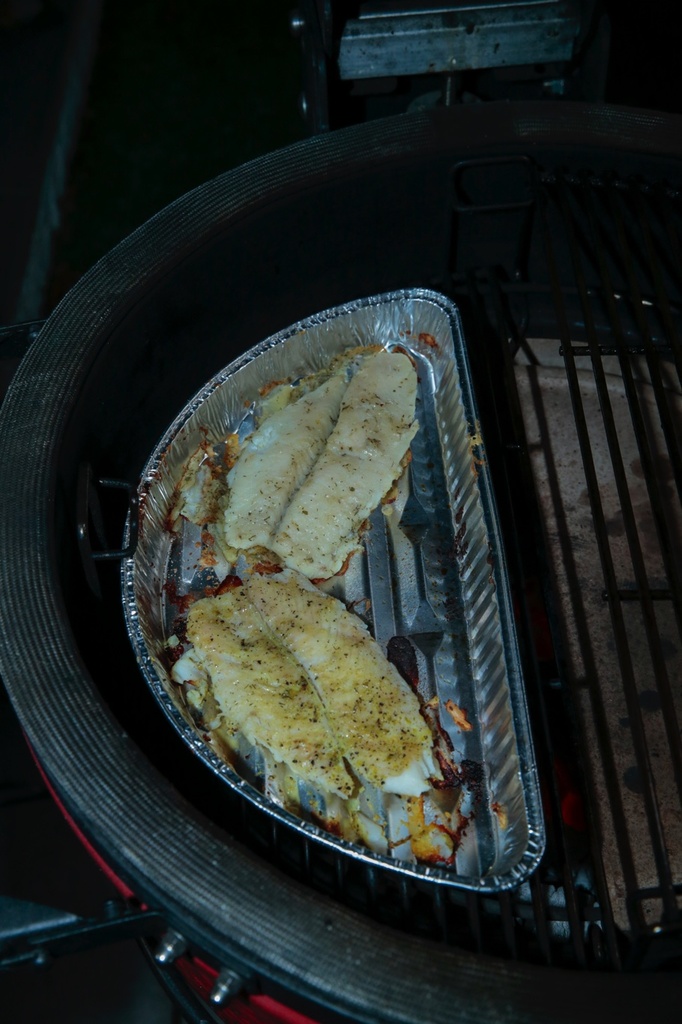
171,945
596,940
296,24
112,909
228,984
42,958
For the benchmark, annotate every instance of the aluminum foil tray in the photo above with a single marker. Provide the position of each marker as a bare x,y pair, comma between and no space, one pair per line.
432,573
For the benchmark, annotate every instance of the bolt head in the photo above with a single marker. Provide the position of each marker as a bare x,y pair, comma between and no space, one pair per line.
296,24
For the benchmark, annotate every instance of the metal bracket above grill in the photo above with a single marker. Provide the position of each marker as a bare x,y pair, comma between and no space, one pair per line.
407,39
389,57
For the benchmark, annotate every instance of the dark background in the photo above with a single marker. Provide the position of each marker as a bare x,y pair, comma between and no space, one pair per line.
180,93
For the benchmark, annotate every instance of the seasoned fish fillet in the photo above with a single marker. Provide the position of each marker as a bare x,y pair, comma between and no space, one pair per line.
261,690
373,713
274,463
361,460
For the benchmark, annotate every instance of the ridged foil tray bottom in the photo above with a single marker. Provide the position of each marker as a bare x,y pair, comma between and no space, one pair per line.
431,572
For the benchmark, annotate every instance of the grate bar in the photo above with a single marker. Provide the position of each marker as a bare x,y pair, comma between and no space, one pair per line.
507,912
307,862
583,351
474,915
403,900
574,916
340,875
440,912
629,682
540,918
372,888
634,594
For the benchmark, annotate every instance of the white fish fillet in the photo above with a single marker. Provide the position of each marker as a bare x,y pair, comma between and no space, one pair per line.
361,460
373,713
262,691
311,474
274,463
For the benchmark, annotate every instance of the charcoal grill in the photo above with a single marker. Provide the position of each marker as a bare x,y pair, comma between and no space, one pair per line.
556,230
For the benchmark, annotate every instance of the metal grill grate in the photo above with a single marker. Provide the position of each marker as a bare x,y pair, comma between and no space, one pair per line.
576,356
591,421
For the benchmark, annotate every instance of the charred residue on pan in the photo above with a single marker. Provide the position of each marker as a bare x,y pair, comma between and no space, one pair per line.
427,339
472,775
180,601
401,654
460,545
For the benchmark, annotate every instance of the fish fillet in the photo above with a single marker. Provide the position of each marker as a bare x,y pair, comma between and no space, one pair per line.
261,690
373,713
360,461
275,461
